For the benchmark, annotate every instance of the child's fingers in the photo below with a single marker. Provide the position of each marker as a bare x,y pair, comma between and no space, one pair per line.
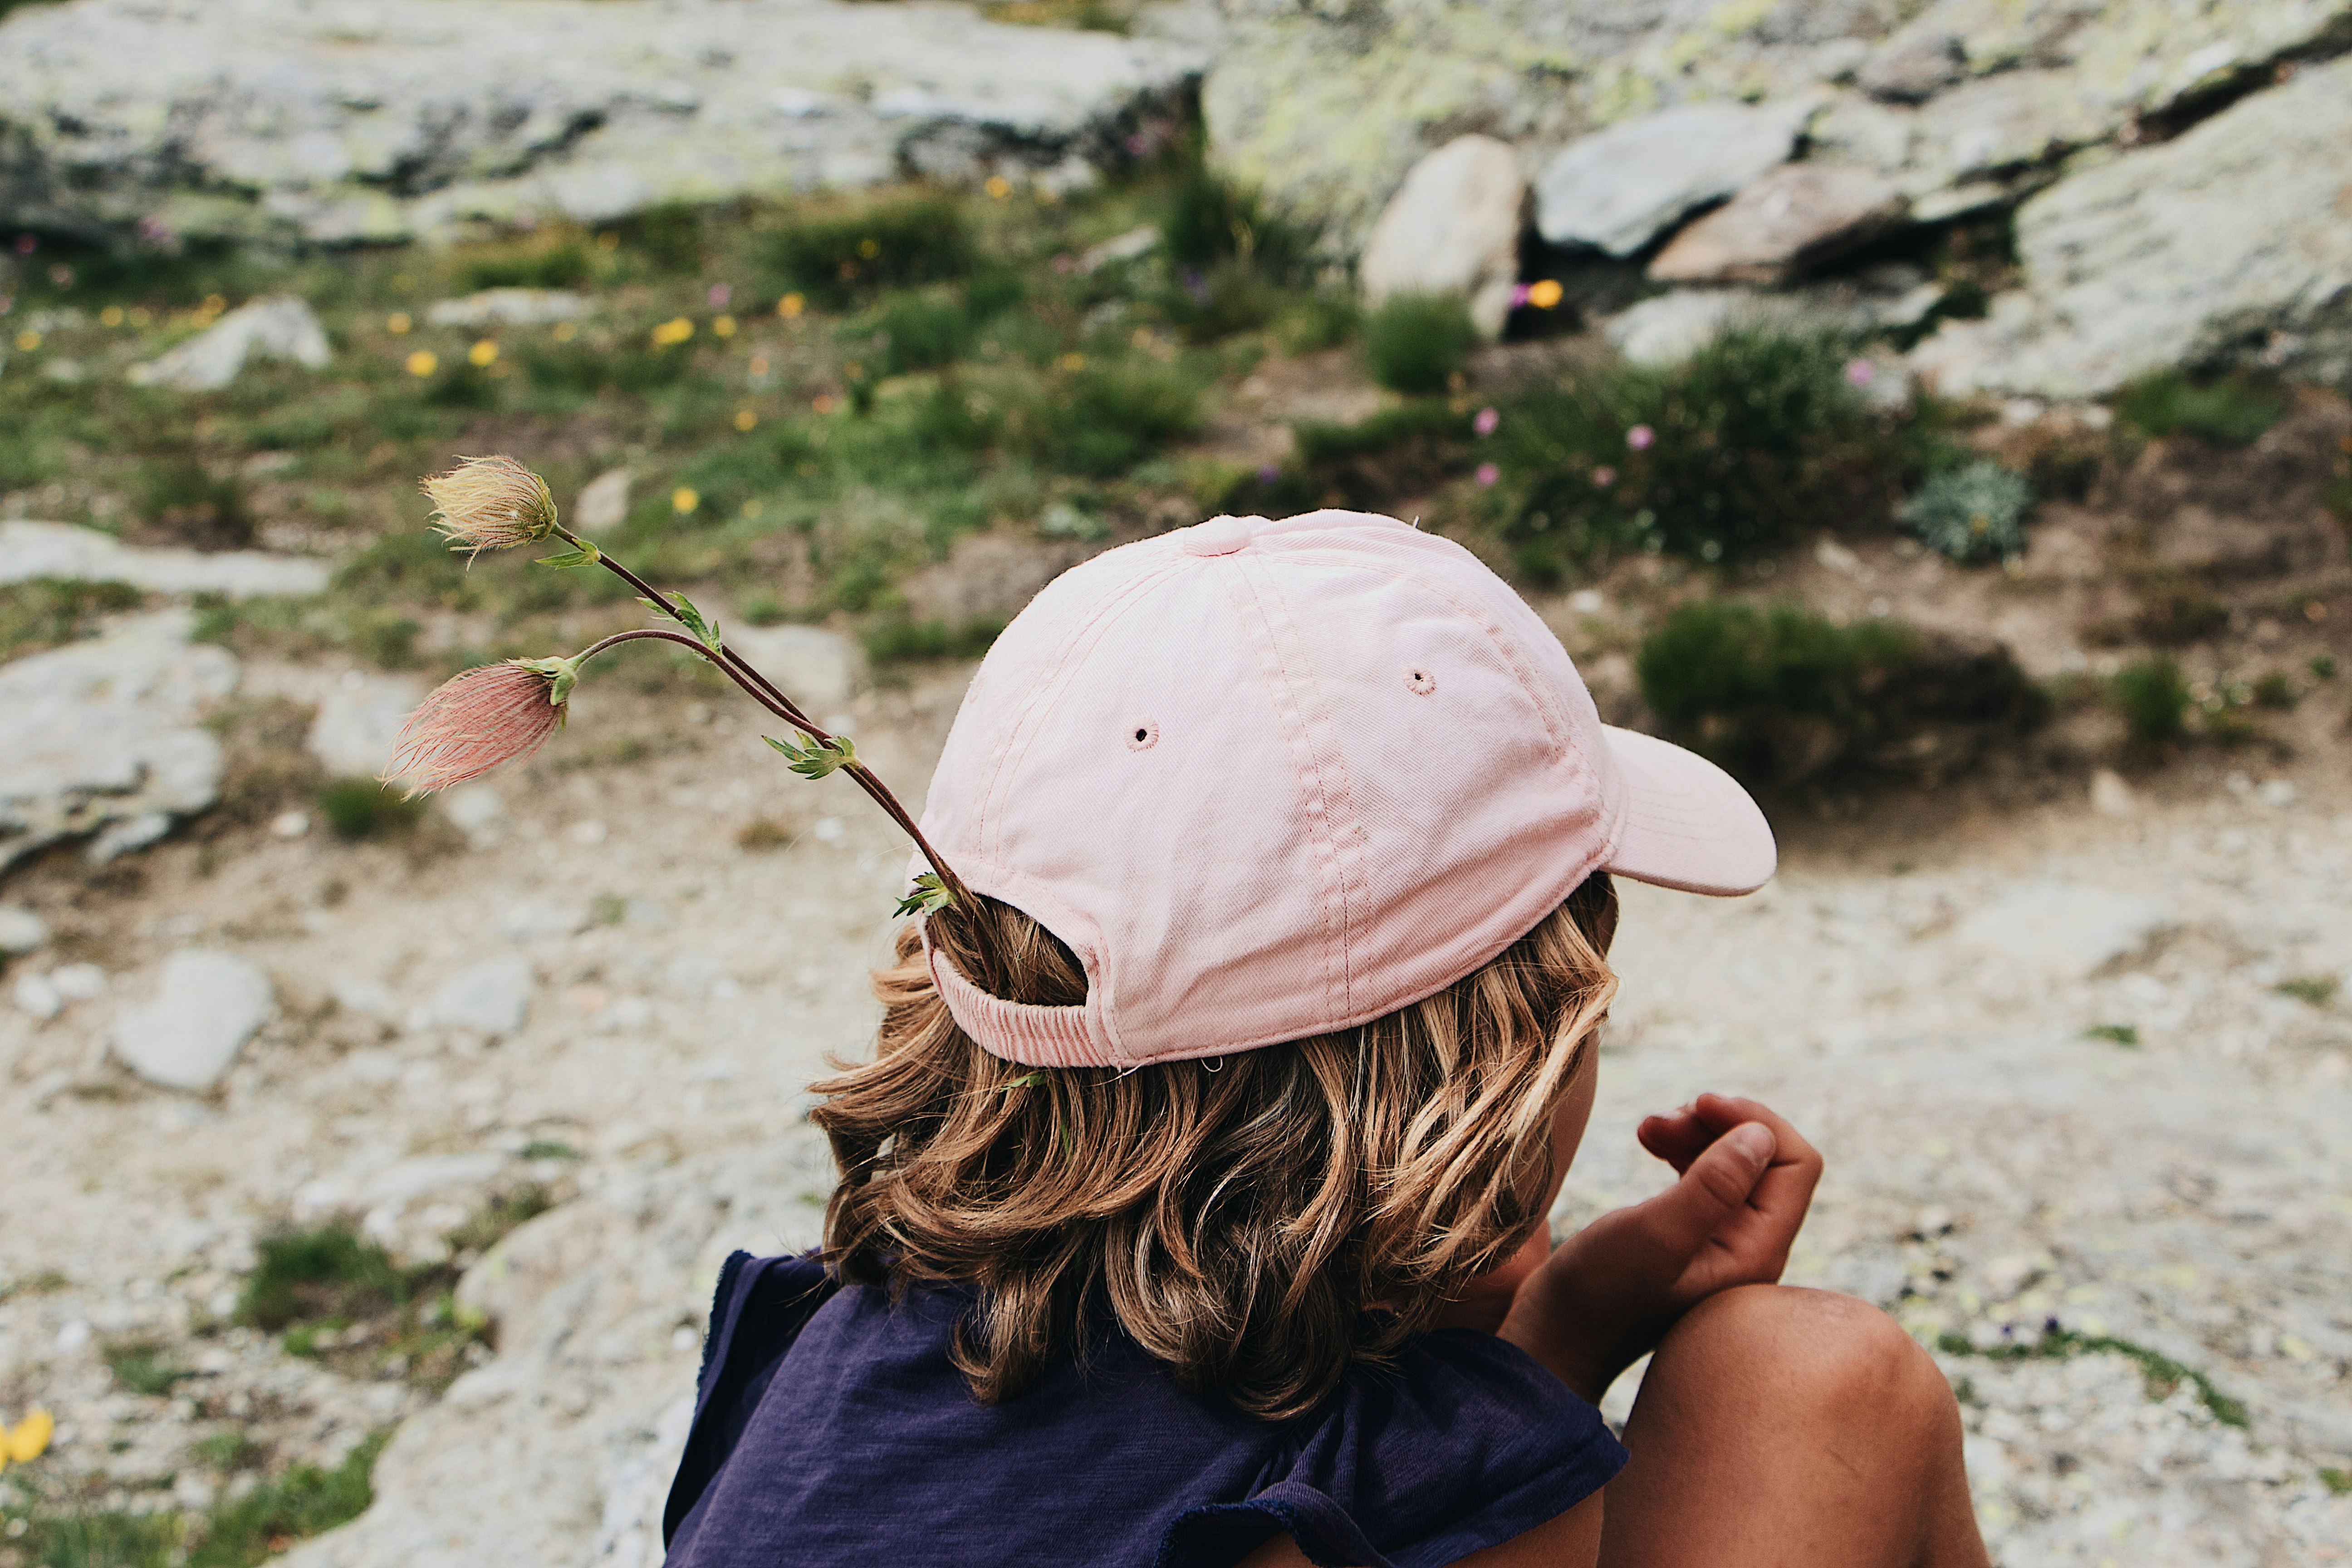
1776,1208
1678,1136
1713,1192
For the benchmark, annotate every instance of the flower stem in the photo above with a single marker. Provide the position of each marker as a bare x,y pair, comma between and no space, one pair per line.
763,691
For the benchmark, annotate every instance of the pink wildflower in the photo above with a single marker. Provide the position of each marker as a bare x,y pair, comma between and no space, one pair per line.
1484,421
1604,477
1860,372
720,294
481,719
1640,436
1488,473
489,503
1519,292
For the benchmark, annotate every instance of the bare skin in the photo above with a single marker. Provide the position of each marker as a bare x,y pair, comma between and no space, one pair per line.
1777,1427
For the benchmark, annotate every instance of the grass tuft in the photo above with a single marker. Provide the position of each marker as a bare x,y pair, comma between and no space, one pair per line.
1416,344
363,809
2234,411
2125,1035
2154,698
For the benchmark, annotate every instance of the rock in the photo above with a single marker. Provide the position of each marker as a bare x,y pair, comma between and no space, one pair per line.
2225,245
106,730
37,996
1793,218
1452,228
588,1401
278,327
1914,68
30,549
21,930
1619,189
604,501
119,838
208,1005
478,811
817,669
492,998
78,982
507,308
354,733
2066,931
1135,244
1667,329
376,121
290,825
2111,796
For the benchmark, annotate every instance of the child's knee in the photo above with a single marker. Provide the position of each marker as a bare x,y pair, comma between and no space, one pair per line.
1813,1354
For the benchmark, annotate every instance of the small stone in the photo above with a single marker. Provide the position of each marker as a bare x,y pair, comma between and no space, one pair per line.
207,1006
37,550
37,996
1914,69
2111,796
817,669
119,838
353,735
290,824
507,308
2065,930
2275,793
21,930
492,998
1452,228
78,982
1135,243
278,327
1620,188
1794,217
587,835
603,503
830,830
478,811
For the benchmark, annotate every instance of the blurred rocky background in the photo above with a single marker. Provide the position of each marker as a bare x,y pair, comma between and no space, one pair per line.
1933,409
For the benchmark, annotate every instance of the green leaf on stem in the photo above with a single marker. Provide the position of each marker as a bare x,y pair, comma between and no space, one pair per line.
586,555
929,897
706,631
817,758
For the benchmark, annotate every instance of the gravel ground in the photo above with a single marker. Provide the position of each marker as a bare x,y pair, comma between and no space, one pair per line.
2131,1256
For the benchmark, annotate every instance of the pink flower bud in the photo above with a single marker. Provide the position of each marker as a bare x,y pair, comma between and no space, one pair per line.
481,719
1860,372
489,503
1640,436
1604,477
1488,473
1484,421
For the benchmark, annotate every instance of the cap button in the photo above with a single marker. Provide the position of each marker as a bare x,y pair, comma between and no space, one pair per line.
1218,536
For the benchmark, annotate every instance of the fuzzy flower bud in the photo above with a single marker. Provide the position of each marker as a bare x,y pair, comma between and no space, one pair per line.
489,503
483,719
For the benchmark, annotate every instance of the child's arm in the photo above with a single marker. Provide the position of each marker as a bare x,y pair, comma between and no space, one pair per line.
1608,1294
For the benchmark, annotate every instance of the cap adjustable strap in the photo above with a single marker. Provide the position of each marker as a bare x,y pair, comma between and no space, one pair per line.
1017,1031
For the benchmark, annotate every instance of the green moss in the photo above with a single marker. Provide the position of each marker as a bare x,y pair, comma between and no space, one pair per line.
327,1271
2313,990
47,611
2233,411
144,1366
364,809
1416,344
2159,1373
2124,1034
2154,698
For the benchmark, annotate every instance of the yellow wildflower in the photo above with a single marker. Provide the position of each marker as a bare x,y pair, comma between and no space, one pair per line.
27,1441
1071,361
423,363
745,419
26,342
1543,296
397,324
677,329
110,316
483,355
684,500
724,326
998,186
790,306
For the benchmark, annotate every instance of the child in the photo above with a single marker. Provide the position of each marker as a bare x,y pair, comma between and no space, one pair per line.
1193,1208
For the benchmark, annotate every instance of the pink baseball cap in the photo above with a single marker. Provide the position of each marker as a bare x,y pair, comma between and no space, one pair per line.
1271,780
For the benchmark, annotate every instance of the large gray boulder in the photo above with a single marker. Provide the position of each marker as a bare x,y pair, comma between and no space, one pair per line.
1621,188
104,737
61,550
1795,217
368,121
1453,228
2229,245
1326,105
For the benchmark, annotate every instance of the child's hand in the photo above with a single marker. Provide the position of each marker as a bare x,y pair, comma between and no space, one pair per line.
1610,1291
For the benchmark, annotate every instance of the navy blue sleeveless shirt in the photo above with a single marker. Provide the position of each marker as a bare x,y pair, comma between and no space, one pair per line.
831,1431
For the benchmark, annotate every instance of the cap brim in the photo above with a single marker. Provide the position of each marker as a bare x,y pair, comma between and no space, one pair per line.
1687,824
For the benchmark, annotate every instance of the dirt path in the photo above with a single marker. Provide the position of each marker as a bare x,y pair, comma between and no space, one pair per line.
1915,991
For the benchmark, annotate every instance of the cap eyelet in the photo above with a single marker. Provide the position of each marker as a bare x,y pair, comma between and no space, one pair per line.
1419,682
1142,737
